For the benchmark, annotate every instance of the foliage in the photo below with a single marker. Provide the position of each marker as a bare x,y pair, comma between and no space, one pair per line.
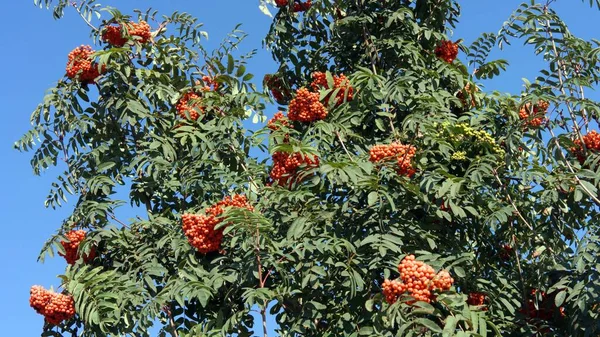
506,209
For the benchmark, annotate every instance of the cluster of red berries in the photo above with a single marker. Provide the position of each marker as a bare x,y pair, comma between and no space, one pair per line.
278,89
71,247
477,299
277,121
113,35
418,279
209,84
189,104
534,116
592,143
545,309
506,252
200,228
447,51
53,306
298,6
462,94
306,107
339,82
403,154
286,165
81,65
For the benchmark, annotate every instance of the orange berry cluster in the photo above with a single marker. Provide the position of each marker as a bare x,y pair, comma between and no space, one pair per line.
403,154
190,104
53,306
306,107
341,82
113,35
477,298
447,51
81,66
200,228
592,143
75,238
418,279
462,94
277,121
534,117
286,165
278,89
209,84
545,309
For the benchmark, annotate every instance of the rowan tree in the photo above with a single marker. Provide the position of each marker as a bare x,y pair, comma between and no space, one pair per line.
395,196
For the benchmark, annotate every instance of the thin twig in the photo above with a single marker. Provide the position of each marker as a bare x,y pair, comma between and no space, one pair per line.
570,167
511,200
561,68
85,19
516,250
172,324
343,145
112,216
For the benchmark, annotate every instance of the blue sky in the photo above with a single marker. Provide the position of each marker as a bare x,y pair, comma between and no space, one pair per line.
34,57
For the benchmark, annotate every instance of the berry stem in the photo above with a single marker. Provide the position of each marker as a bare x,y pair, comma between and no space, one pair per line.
511,200
559,70
343,145
172,324
78,9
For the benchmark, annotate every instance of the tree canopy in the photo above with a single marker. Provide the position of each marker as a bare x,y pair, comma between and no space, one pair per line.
392,195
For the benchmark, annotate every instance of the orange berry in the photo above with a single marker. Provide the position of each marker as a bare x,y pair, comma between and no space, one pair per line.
418,279
200,228
81,66
403,154
71,247
306,107
53,306
339,82
447,51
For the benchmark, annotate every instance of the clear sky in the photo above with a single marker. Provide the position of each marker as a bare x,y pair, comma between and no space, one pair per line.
34,55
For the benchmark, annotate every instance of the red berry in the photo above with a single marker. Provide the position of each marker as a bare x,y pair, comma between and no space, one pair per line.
339,82
403,154
113,35
418,279
53,306
81,65
447,51
71,247
286,166
200,228
306,107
